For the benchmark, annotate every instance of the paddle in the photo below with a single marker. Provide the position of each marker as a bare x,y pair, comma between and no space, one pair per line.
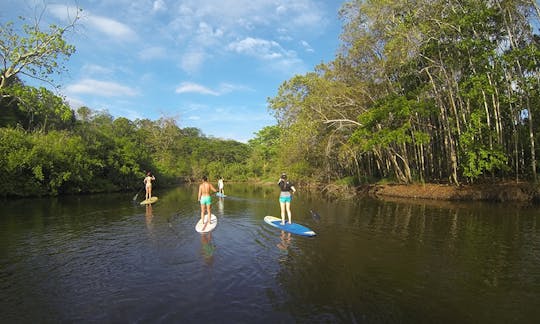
138,192
315,215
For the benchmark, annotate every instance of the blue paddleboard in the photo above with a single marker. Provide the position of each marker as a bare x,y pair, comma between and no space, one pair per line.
220,195
291,228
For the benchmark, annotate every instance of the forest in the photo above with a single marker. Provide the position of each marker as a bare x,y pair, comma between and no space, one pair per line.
418,92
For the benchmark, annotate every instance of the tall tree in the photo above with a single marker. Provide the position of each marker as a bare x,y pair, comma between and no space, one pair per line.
32,52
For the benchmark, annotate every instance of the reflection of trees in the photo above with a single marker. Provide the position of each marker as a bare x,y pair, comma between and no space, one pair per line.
386,261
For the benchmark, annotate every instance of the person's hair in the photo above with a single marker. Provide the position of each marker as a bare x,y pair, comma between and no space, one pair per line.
283,176
205,178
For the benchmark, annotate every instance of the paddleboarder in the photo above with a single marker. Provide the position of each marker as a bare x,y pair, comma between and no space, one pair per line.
205,199
220,186
148,184
285,197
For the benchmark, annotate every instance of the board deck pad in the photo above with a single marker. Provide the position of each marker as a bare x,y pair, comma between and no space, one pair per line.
150,200
209,227
291,228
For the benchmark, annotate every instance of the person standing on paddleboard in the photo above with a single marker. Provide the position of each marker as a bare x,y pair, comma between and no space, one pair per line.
148,184
285,197
220,186
205,199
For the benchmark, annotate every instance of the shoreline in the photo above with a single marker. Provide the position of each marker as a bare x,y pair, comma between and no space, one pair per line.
496,192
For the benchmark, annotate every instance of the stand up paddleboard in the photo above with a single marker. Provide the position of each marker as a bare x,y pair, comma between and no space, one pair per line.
220,195
150,200
291,228
209,227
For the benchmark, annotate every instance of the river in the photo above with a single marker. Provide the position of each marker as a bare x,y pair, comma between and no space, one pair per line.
105,259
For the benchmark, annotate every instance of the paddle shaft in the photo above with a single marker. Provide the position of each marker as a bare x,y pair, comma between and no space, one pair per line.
138,192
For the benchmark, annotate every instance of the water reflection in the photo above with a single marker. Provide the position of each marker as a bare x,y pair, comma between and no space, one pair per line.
371,262
285,241
149,216
220,205
207,248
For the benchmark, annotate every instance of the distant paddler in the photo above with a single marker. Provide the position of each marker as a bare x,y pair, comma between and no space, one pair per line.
148,184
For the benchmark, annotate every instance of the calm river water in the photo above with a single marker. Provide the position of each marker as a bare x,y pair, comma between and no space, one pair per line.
104,259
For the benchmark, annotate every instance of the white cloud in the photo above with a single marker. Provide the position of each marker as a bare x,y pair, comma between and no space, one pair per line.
248,13
188,87
104,25
279,59
257,47
100,88
208,35
192,60
93,69
306,46
212,25
150,53
66,13
224,88
111,28
159,5
74,103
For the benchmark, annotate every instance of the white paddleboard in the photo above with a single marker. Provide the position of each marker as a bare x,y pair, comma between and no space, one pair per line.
209,227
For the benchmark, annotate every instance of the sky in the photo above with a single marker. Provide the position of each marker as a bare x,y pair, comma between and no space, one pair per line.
209,64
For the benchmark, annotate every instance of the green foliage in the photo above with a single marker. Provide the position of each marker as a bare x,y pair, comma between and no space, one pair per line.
347,181
477,157
30,51
40,164
430,90
264,148
39,109
433,90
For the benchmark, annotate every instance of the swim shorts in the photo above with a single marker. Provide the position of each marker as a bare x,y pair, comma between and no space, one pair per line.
285,199
206,200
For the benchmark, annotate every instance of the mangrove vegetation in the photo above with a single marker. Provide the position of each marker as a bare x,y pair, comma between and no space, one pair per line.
419,91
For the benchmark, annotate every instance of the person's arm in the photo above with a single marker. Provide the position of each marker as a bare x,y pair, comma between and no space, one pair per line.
293,189
212,187
200,192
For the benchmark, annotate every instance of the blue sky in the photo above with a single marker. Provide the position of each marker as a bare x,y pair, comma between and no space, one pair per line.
209,64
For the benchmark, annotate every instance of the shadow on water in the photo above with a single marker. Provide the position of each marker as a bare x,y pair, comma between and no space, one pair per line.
103,258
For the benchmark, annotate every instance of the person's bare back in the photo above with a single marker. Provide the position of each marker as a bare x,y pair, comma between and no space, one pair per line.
204,189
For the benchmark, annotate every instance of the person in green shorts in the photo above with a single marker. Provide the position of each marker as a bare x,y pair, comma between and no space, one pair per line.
205,199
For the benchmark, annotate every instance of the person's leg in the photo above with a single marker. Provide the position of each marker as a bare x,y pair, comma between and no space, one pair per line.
203,207
288,207
282,206
209,209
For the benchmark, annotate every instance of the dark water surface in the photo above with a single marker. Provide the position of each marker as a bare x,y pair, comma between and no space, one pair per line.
103,259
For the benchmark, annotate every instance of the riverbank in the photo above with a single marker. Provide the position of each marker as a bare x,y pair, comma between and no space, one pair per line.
497,192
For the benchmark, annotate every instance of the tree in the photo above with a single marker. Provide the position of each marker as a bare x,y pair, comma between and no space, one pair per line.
36,53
